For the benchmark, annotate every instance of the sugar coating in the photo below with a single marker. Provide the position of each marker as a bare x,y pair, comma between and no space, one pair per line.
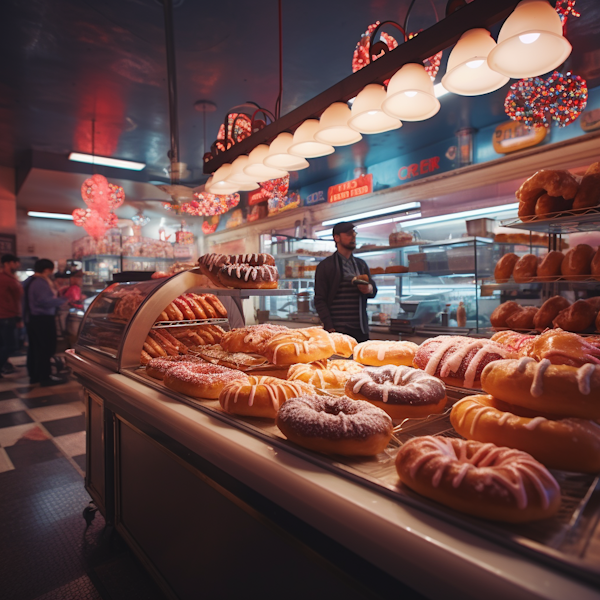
334,418
203,373
163,363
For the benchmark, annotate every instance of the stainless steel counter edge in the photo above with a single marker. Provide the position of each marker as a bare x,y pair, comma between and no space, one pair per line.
433,557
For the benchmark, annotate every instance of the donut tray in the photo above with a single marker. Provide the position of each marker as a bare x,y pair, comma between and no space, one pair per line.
165,324
562,541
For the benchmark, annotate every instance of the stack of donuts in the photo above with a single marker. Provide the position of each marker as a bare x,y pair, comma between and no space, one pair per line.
549,193
189,307
257,271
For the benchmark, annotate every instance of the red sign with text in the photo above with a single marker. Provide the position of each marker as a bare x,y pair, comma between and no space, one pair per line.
427,165
257,196
350,189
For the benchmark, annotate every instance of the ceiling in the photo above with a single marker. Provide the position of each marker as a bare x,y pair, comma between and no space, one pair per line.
67,62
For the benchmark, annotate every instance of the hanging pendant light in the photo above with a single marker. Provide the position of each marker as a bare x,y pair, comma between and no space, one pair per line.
238,177
468,73
530,42
367,116
255,167
219,183
333,126
410,95
304,143
279,156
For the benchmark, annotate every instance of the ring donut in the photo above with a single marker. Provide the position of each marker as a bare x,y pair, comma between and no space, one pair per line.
298,346
157,367
325,374
201,380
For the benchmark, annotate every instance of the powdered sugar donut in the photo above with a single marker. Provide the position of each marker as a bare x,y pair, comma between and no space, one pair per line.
335,425
200,380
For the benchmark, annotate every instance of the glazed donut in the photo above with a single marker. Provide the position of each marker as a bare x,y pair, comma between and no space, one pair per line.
561,348
459,360
377,353
505,267
246,276
595,265
157,367
335,425
550,267
325,374
207,307
501,313
525,268
173,312
551,205
255,260
216,304
403,392
578,262
260,396
558,390
145,358
566,444
198,311
250,339
170,347
588,194
483,480
298,345
512,339
185,308
522,319
210,264
344,344
577,317
200,380
554,183
548,312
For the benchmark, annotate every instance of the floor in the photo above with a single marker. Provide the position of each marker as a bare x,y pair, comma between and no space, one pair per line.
46,550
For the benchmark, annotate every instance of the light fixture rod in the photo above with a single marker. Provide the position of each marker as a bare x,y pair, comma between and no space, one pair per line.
172,89
438,37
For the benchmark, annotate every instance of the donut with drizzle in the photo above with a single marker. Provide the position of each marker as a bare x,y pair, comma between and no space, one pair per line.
210,264
201,380
483,480
260,396
299,346
566,444
401,391
335,425
251,338
377,353
559,390
242,275
325,374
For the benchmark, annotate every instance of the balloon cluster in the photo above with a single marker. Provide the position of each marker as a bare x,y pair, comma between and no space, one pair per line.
276,187
102,199
564,8
207,205
235,133
361,57
538,102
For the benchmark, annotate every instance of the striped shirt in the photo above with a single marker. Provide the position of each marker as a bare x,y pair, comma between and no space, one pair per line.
345,308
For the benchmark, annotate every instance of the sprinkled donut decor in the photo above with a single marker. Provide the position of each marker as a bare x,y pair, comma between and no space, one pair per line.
335,425
401,391
200,380
157,367
483,480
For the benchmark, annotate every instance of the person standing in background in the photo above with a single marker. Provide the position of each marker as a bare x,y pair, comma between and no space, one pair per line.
73,291
10,308
40,302
343,284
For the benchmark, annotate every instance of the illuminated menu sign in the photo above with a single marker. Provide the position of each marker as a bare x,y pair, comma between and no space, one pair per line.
351,189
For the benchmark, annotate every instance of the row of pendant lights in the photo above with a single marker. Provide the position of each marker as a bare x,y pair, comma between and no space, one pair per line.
530,43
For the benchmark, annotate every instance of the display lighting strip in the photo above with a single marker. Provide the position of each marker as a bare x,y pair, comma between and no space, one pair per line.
373,213
106,161
480,212
530,43
414,215
47,215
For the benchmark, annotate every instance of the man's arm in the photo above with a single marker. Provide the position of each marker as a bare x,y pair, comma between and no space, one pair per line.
370,289
322,283
41,295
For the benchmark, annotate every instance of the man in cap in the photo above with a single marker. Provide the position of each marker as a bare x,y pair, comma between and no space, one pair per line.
343,284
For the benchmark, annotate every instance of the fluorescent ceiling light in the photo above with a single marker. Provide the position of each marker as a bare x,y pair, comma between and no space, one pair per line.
480,212
105,161
395,220
374,213
47,215
324,233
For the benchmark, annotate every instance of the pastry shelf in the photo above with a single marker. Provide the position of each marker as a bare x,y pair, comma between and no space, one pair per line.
572,221
244,293
188,323
588,281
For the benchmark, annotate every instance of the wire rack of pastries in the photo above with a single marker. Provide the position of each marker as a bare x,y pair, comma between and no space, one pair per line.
527,411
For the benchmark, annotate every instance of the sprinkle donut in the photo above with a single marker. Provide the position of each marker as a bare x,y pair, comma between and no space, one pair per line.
157,367
483,480
335,425
200,380
401,391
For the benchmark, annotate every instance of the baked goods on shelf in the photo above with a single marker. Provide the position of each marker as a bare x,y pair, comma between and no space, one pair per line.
548,312
260,396
210,264
157,367
483,480
459,360
377,271
502,312
505,267
201,380
196,335
245,276
525,239
522,319
403,392
567,444
550,267
343,344
555,183
241,361
325,374
396,269
512,339
588,194
335,425
251,338
595,265
578,262
299,345
378,352
525,268
551,205
189,307
577,317
400,238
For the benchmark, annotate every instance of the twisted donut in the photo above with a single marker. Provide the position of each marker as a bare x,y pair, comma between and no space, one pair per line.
298,345
377,353
401,391
200,380
566,444
479,479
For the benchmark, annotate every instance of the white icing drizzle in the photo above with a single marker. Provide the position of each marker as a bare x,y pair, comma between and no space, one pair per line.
537,386
523,362
533,423
584,378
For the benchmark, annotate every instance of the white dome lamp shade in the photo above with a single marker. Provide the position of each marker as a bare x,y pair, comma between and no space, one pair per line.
530,42
304,143
279,156
219,184
367,116
410,95
238,177
333,126
259,171
468,73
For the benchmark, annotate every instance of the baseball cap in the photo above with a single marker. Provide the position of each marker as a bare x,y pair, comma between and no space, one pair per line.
343,227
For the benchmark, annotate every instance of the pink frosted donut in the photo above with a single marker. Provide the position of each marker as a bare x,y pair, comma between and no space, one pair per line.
157,367
335,425
484,480
401,391
201,380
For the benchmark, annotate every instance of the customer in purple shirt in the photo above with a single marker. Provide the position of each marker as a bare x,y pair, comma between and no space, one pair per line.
40,301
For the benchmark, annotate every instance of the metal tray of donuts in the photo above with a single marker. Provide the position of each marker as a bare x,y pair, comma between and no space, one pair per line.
570,540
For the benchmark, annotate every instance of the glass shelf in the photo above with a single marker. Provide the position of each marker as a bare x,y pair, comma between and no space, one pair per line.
573,221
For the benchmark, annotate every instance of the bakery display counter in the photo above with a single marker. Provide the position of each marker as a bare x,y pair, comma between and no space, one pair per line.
198,492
